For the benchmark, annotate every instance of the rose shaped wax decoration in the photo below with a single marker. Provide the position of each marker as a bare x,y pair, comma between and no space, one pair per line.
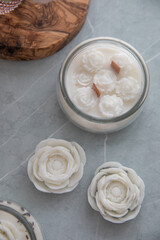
8,231
111,106
93,60
82,80
124,62
128,88
56,166
116,192
105,81
85,98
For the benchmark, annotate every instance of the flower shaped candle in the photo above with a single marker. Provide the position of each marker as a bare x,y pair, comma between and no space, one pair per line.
93,60
128,88
105,80
113,72
82,80
116,192
56,166
103,84
85,98
110,106
124,62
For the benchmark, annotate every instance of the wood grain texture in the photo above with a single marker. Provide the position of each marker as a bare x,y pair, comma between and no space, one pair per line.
35,30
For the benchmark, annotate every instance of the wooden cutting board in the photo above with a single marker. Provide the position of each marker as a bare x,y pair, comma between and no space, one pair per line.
35,30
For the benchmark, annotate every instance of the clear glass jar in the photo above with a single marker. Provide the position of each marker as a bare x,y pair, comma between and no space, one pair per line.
17,223
90,123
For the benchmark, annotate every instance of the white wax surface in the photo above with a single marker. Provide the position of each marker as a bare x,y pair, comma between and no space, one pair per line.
18,229
93,65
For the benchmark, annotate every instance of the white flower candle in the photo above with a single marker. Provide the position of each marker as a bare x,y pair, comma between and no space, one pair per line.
57,166
103,82
116,192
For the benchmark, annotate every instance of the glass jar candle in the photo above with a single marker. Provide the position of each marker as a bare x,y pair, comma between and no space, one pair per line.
17,223
103,85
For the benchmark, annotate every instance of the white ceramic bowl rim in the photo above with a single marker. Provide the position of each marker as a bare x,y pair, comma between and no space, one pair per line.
20,217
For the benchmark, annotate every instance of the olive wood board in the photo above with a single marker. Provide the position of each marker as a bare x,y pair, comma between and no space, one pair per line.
37,30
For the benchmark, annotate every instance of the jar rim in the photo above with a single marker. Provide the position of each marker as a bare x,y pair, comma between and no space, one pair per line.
5,207
117,42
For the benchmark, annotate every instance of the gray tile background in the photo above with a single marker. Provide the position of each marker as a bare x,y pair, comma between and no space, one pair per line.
30,113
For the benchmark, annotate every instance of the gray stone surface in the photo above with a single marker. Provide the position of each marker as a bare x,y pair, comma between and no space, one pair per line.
30,113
